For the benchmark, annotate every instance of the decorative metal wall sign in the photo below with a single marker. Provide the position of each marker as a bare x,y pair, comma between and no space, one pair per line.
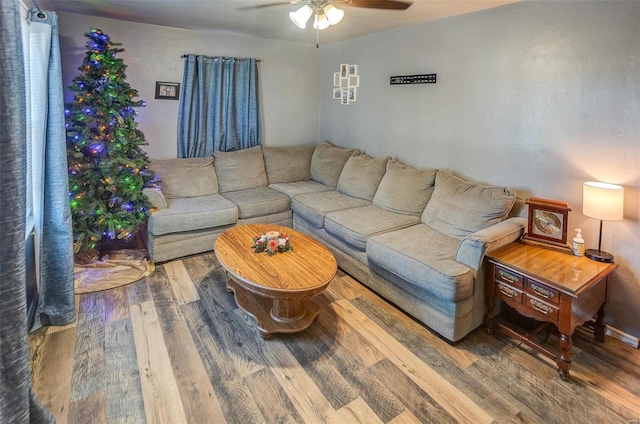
413,79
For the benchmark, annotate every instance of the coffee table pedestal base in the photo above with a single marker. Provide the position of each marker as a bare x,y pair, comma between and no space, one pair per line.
274,315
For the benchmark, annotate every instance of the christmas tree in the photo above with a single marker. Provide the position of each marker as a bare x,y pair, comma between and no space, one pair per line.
107,167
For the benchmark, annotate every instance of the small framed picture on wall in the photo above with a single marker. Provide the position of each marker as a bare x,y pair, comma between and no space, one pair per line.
336,79
168,90
344,96
337,93
343,70
352,94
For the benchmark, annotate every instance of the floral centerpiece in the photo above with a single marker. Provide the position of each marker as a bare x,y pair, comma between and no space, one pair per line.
272,242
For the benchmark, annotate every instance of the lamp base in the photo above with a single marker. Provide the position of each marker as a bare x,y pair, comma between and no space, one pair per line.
598,255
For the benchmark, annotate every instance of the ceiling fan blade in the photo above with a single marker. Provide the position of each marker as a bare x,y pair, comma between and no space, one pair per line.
379,4
262,6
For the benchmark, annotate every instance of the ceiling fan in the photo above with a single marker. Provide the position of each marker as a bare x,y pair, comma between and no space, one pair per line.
326,13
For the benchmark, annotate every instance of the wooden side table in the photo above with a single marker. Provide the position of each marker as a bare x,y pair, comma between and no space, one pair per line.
551,287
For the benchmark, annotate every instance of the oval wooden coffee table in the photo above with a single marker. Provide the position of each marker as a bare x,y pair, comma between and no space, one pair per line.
275,289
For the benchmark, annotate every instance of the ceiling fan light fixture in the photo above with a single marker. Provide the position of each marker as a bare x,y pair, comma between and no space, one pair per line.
321,22
301,16
334,15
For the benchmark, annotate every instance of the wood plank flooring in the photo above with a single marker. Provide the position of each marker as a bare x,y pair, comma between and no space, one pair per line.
174,348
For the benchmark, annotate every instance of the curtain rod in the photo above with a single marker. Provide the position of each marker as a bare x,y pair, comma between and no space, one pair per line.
185,55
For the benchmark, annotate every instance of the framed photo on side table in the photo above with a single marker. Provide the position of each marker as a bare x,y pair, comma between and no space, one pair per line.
547,222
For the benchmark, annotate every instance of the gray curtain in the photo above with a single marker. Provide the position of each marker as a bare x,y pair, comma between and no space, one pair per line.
52,213
18,404
219,106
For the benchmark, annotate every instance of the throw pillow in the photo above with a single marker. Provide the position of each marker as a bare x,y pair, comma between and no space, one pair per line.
288,164
240,169
327,163
404,189
459,208
361,176
185,177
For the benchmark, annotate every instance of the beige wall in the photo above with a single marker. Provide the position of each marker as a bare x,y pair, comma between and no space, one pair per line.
540,96
289,74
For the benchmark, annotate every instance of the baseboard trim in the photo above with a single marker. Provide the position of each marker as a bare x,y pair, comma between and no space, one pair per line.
622,336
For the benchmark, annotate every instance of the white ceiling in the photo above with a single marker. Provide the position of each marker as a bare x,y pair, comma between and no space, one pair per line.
270,22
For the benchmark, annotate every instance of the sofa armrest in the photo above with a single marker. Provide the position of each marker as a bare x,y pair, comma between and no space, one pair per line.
473,247
156,197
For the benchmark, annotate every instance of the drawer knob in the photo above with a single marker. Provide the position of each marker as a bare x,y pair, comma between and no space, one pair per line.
541,291
541,307
507,276
507,291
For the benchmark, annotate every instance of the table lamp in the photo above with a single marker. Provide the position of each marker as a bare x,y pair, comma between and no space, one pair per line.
605,202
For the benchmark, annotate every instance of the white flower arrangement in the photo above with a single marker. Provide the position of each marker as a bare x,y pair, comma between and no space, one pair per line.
272,242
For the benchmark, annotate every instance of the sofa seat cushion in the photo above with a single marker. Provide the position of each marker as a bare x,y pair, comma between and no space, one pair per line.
298,187
354,226
193,213
459,208
314,206
259,201
424,258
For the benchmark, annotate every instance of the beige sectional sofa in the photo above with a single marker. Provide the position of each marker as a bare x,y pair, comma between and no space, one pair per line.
415,236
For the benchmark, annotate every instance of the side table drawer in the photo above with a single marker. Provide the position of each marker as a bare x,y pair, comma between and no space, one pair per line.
541,307
542,291
509,277
509,293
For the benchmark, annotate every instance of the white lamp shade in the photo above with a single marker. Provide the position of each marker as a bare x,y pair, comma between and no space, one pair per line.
334,15
321,22
603,201
301,16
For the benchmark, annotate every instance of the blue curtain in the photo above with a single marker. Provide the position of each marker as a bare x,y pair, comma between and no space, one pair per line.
18,403
52,213
219,106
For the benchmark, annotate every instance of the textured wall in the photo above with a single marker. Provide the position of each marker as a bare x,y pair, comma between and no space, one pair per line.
289,75
540,96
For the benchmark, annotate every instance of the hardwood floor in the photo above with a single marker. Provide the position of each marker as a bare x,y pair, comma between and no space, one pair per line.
174,348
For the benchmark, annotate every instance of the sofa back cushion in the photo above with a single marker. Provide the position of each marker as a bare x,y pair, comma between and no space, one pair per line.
327,163
361,176
240,169
404,189
185,177
288,164
459,208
